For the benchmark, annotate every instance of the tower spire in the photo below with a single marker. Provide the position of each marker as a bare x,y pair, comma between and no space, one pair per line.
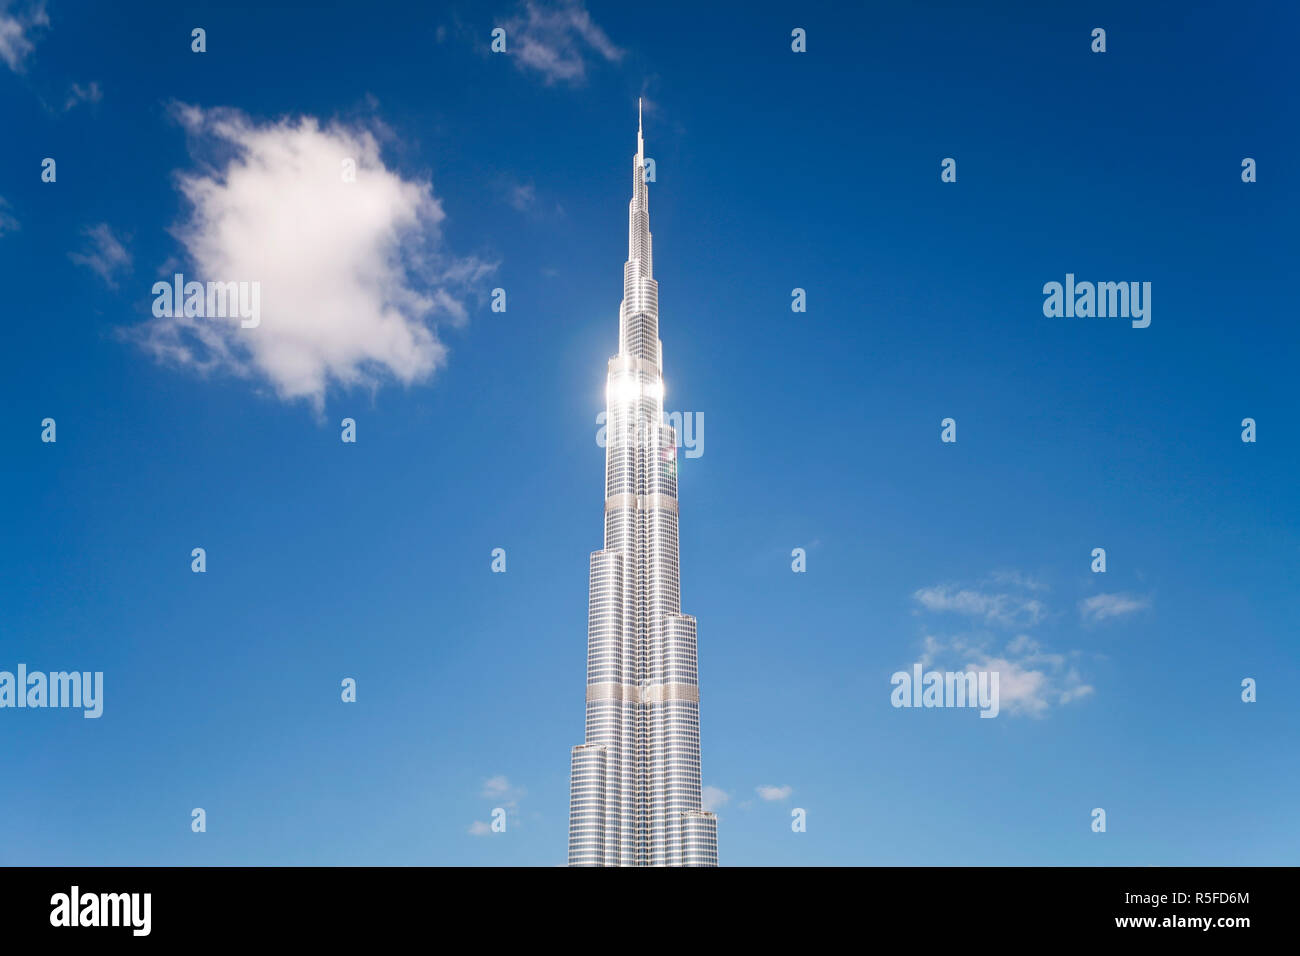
640,142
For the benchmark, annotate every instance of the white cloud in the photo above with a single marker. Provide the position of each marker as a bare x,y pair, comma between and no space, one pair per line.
1074,693
504,795
90,93
17,31
555,40
930,648
499,789
1030,679
769,792
711,798
104,253
1005,609
1020,688
1099,607
352,274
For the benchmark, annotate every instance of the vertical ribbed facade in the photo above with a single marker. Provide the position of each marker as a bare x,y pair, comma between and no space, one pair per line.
635,782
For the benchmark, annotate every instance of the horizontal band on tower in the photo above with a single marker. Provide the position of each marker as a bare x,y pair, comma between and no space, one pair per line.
635,362
652,694
641,502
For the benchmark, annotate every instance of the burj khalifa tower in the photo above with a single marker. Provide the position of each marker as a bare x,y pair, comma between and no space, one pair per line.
635,781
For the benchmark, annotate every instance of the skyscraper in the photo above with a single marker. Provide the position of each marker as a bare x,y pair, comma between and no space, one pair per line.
635,791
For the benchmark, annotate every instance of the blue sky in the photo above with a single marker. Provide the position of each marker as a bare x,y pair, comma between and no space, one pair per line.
476,430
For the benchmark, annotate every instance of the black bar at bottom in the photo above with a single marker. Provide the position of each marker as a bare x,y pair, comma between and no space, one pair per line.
379,904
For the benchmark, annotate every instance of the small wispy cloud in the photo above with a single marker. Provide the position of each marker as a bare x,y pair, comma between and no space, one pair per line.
772,793
103,253
7,221
1005,609
1017,579
555,41
500,789
711,798
521,196
1101,607
18,28
77,94
505,796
